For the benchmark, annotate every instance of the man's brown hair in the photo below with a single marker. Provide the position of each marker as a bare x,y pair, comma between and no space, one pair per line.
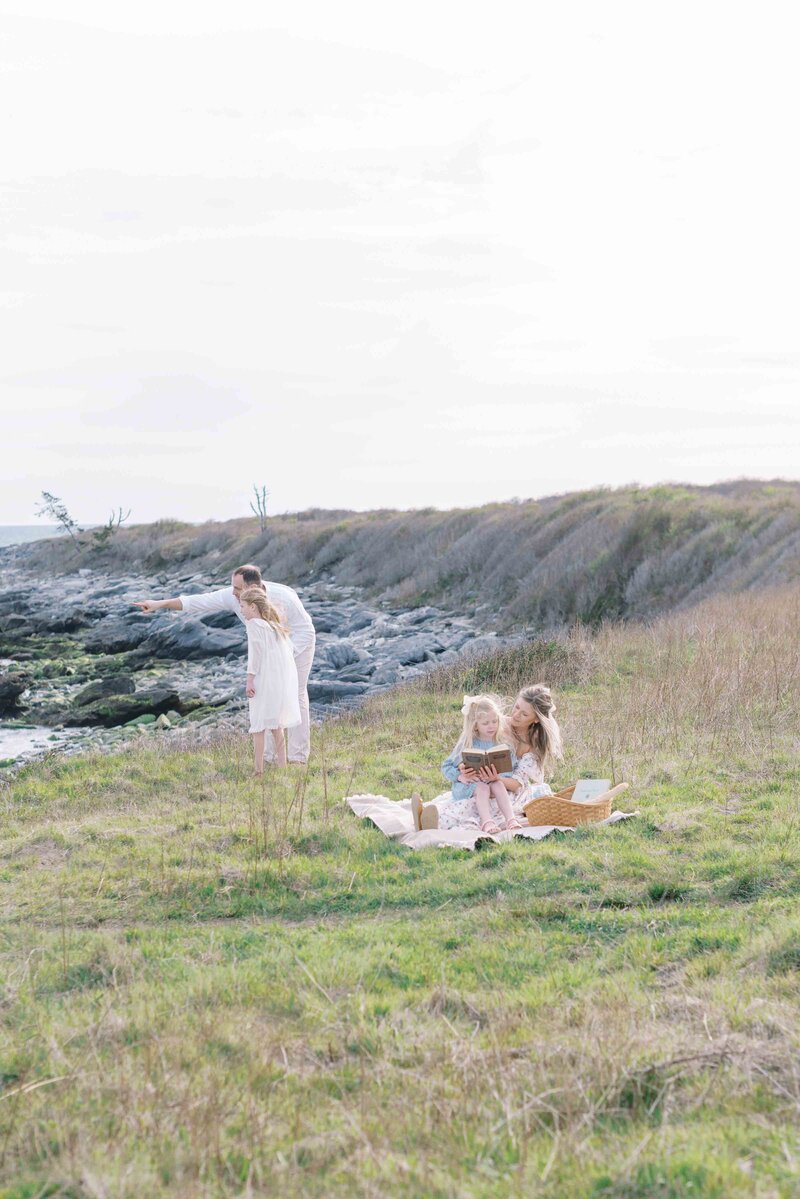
251,574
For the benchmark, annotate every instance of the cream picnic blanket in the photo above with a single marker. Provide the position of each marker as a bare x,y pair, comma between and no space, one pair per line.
394,818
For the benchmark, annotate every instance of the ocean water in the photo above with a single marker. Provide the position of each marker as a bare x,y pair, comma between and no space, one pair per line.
17,534
18,743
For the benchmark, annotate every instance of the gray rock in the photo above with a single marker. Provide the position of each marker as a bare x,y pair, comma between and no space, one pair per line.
117,634
184,638
386,628
341,653
325,624
385,675
448,658
480,646
420,647
12,601
118,684
119,709
328,691
360,621
456,639
220,620
420,615
326,619
357,672
12,686
110,589
19,625
68,620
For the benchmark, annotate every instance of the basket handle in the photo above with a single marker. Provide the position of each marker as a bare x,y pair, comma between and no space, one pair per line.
620,787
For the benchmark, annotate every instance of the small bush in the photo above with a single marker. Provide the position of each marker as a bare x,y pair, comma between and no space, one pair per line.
746,887
668,892
785,958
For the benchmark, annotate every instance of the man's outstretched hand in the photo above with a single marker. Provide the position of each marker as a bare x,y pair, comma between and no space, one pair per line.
171,605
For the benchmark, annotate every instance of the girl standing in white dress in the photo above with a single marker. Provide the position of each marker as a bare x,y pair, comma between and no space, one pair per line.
271,675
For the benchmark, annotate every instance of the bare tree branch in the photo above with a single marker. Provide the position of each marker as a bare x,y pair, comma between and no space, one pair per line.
259,507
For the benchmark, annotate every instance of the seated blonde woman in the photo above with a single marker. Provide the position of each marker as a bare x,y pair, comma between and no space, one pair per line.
536,740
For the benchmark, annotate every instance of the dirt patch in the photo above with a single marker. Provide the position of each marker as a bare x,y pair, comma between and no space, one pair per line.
46,853
678,821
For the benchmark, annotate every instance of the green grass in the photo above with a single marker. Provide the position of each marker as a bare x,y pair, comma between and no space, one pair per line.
210,987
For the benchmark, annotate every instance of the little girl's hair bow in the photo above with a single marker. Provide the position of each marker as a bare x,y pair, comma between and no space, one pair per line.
469,700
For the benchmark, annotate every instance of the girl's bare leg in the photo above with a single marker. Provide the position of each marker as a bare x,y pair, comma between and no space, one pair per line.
482,804
258,751
498,791
280,746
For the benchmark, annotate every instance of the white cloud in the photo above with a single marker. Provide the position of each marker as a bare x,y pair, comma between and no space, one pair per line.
342,248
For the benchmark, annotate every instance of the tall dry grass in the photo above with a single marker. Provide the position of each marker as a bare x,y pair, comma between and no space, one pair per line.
588,556
719,680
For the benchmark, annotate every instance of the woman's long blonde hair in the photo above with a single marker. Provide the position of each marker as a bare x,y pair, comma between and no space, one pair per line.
544,735
266,609
471,708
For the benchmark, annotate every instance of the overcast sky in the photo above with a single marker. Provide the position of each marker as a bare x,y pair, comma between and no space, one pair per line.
393,255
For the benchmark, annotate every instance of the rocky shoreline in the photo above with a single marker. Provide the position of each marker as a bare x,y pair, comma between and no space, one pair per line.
77,658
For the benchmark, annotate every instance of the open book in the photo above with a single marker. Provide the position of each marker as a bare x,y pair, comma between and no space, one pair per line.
588,789
498,756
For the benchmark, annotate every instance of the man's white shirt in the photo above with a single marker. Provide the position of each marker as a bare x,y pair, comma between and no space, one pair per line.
287,601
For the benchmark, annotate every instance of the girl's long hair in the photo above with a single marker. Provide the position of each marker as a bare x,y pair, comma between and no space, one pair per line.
472,707
544,735
266,609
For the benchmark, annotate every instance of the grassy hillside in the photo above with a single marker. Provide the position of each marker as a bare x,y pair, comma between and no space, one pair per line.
589,555
210,987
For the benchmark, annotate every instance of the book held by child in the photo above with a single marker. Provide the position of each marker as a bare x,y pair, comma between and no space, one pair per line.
498,756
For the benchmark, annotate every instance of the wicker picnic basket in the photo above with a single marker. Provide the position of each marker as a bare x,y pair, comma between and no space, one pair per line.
559,808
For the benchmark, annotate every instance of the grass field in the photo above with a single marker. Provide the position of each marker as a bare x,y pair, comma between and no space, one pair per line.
210,987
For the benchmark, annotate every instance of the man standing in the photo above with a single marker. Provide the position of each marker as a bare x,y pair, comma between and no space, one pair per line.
301,632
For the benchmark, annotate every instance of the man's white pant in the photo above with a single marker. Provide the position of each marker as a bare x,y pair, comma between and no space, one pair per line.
299,737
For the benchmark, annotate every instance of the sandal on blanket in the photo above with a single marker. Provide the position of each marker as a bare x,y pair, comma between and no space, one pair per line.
489,827
513,823
426,816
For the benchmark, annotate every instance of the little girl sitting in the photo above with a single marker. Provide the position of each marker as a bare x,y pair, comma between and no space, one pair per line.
482,723
271,675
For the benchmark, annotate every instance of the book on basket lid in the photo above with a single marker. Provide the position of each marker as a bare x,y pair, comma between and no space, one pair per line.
587,790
